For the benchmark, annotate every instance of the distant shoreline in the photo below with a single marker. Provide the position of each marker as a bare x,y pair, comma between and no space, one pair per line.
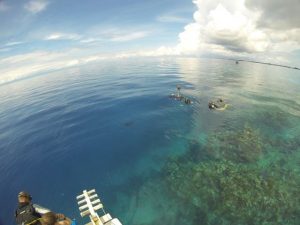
272,64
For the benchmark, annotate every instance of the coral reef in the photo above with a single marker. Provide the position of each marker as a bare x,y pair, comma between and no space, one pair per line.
232,193
273,119
237,177
242,146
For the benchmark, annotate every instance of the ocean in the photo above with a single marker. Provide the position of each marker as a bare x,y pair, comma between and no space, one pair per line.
111,126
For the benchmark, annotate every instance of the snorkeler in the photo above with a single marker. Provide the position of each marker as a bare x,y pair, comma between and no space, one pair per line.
218,105
178,91
178,96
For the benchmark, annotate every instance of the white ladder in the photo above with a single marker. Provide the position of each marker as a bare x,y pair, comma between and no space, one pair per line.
89,203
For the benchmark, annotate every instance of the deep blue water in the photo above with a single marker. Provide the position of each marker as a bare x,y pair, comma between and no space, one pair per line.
111,126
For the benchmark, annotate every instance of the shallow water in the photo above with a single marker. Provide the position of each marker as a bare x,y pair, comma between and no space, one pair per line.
111,126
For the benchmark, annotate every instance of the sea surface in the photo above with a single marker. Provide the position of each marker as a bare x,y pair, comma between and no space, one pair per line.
111,126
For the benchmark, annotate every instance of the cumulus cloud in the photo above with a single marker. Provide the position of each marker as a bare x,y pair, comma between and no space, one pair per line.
223,26
277,14
220,28
234,29
36,6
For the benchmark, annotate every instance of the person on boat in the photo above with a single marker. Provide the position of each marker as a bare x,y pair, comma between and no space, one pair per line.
28,213
50,218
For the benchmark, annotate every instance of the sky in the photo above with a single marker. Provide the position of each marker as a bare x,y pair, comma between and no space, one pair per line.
41,35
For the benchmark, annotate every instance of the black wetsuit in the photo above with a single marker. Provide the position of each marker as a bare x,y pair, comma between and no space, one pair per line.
26,213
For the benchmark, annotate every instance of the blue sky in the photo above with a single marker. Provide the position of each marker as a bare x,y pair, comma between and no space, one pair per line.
107,25
39,35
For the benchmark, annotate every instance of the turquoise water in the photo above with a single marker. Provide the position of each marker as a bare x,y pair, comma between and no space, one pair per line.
154,160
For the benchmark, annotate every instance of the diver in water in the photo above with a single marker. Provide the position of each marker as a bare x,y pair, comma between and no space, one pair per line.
178,91
219,104
178,96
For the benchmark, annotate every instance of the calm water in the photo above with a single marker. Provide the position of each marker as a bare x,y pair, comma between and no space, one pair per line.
111,126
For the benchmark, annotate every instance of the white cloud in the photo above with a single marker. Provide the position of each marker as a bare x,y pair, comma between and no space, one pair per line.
223,26
161,51
13,43
220,28
62,36
230,29
128,36
39,62
99,33
90,40
114,35
172,19
20,66
277,14
36,6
